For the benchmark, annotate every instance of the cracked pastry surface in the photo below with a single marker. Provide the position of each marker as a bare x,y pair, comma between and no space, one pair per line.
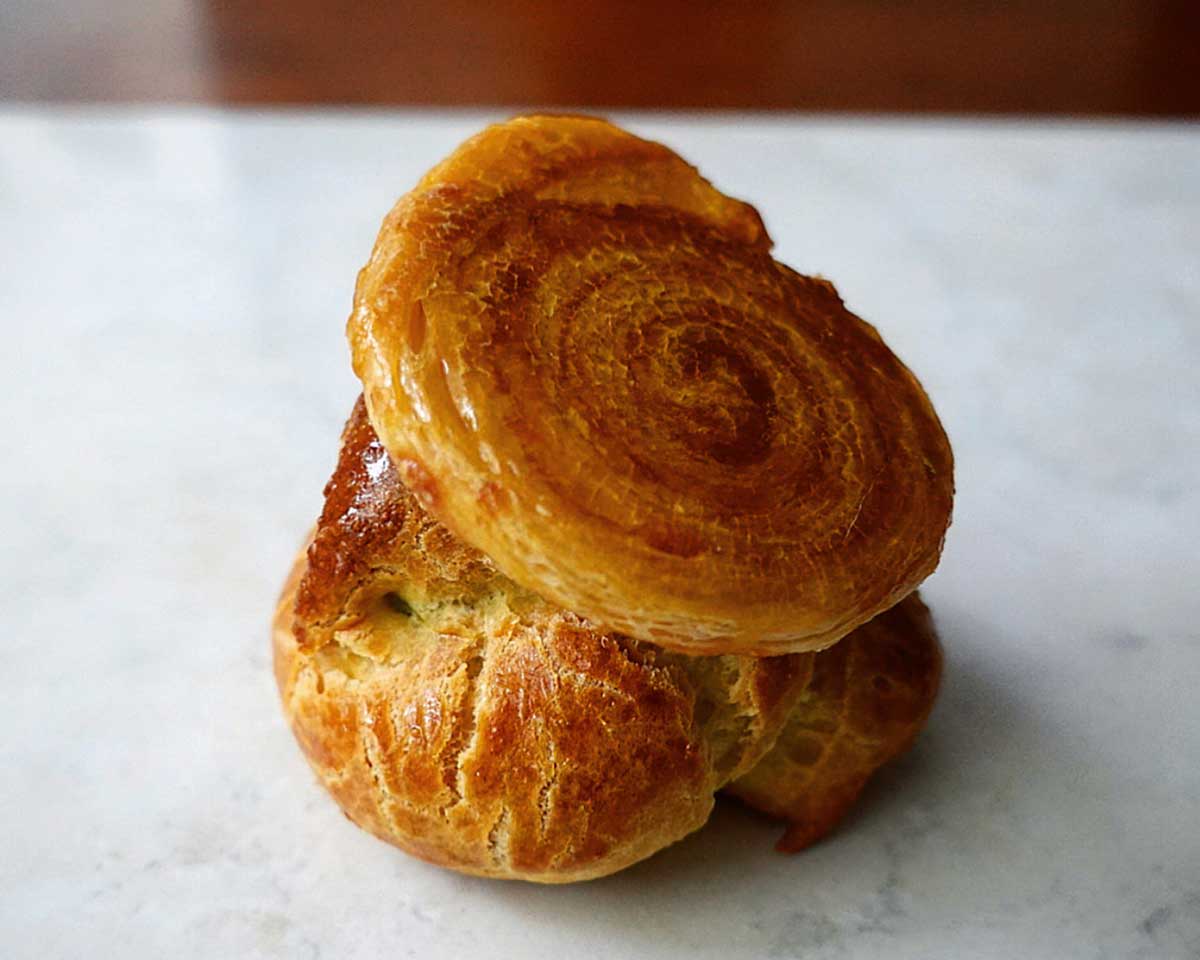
467,721
585,362
868,698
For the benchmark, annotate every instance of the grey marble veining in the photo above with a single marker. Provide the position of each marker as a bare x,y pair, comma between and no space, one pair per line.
173,287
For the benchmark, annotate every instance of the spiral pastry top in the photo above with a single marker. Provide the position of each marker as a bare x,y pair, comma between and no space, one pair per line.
586,363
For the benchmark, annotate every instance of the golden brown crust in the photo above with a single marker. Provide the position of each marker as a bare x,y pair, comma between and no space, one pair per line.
368,526
455,715
586,363
869,697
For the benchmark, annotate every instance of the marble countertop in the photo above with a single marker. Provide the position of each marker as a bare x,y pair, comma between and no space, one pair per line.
173,286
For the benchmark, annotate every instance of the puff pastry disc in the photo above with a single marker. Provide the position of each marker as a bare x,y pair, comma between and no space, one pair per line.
586,363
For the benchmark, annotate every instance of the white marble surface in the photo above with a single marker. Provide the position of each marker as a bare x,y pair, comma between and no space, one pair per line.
172,290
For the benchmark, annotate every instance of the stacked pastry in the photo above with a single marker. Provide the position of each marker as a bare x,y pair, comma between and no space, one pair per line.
628,514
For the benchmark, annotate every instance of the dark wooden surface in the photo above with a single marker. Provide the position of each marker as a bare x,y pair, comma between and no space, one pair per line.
1069,57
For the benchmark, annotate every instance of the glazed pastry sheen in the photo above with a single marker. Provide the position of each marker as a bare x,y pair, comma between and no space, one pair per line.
471,723
585,362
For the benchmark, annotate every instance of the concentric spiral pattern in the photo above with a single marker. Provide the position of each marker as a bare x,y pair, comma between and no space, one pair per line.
587,364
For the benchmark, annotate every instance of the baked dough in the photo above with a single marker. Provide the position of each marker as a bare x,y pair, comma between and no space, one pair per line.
585,363
868,698
469,722
466,721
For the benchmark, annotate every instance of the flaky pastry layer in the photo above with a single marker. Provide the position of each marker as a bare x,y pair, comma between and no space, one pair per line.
586,363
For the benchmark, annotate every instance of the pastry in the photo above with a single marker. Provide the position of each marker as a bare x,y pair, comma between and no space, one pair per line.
458,716
587,365
617,481
868,698
471,723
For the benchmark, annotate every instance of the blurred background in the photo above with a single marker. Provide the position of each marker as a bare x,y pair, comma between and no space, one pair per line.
1049,57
